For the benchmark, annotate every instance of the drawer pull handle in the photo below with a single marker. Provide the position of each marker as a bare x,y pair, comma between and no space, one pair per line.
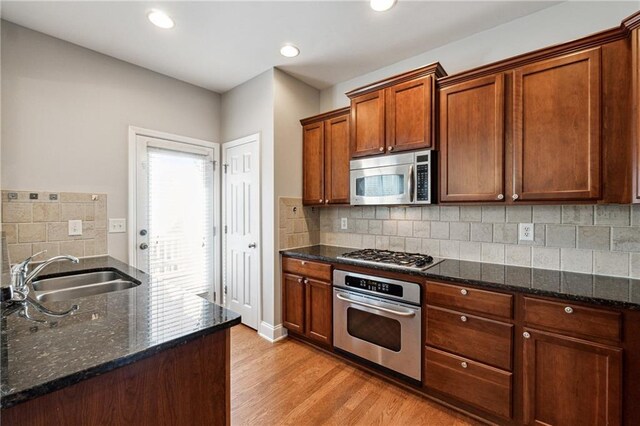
464,292
568,310
464,364
463,318
526,335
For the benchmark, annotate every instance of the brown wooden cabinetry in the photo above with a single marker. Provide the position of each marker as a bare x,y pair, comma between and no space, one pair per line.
472,141
325,158
307,299
395,114
557,149
568,381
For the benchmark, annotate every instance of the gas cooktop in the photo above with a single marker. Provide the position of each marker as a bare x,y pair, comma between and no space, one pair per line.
396,259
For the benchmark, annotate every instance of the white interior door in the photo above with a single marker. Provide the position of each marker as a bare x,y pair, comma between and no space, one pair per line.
241,243
176,213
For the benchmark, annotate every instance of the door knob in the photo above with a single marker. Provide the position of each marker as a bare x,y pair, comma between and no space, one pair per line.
253,245
144,246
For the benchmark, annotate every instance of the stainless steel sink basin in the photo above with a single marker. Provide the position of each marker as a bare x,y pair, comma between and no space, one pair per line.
80,285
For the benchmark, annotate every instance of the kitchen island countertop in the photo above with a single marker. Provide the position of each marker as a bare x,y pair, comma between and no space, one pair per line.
108,331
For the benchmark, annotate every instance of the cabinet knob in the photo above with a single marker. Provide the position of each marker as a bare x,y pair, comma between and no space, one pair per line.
326,201
500,196
515,196
526,335
568,310
463,364
306,281
381,149
321,200
303,262
464,292
463,318
390,148
300,280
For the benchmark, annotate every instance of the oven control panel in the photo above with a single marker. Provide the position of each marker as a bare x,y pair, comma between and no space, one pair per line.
373,285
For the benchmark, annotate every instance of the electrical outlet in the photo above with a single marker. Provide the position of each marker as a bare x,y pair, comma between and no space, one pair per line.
75,227
525,232
117,226
343,223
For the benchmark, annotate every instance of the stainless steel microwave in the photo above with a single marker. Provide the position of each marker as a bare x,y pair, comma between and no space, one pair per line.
392,179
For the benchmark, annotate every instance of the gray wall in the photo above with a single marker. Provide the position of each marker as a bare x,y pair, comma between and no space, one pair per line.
557,24
271,104
66,115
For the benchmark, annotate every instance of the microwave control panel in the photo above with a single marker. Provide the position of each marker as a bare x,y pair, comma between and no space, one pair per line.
423,177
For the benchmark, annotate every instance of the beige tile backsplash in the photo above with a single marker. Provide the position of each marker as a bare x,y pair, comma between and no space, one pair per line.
591,239
299,226
30,226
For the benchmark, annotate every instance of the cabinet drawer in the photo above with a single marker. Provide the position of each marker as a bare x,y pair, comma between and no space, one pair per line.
476,384
320,271
470,299
477,338
573,319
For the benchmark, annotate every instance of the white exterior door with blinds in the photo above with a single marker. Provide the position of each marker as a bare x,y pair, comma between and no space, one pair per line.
241,243
176,213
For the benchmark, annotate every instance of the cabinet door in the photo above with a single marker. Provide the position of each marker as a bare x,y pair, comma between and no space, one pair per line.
367,124
408,115
336,162
472,141
293,292
570,382
635,79
557,149
319,311
313,163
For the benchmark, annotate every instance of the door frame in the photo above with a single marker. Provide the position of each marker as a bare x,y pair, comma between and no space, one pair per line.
132,227
236,142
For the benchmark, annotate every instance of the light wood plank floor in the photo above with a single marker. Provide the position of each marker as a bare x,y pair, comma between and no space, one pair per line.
290,383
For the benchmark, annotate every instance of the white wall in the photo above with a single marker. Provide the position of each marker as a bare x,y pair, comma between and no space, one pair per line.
247,109
293,100
271,104
66,115
556,24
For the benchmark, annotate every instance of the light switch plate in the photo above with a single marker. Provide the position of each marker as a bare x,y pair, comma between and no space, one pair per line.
75,227
343,223
117,226
525,232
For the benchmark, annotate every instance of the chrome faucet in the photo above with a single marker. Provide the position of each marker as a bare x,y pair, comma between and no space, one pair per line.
20,280
20,276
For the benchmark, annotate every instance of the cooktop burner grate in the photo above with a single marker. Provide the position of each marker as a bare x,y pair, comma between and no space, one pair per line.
391,258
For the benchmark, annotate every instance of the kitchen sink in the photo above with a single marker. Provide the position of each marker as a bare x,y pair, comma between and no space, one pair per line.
81,285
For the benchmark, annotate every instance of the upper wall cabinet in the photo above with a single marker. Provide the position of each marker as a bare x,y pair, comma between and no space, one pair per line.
472,141
556,145
396,114
551,126
325,158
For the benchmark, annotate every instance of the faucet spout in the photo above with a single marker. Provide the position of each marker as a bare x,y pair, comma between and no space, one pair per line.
43,265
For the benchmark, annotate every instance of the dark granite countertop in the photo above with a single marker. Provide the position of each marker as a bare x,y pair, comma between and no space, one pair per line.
108,331
596,289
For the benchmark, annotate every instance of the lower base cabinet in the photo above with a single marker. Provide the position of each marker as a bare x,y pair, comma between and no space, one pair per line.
568,381
307,305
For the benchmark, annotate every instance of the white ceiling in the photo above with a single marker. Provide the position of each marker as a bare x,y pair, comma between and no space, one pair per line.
218,45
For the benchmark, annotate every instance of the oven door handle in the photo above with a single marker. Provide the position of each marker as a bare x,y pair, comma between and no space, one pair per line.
380,308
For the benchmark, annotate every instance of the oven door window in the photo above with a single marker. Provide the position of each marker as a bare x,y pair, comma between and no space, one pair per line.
380,185
375,329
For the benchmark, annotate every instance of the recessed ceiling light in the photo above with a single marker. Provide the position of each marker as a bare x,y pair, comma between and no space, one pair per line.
382,5
289,51
160,19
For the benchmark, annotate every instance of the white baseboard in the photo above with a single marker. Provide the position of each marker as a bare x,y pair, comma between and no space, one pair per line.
271,333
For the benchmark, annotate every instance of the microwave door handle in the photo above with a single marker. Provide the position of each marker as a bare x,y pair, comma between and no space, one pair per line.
410,183
380,308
